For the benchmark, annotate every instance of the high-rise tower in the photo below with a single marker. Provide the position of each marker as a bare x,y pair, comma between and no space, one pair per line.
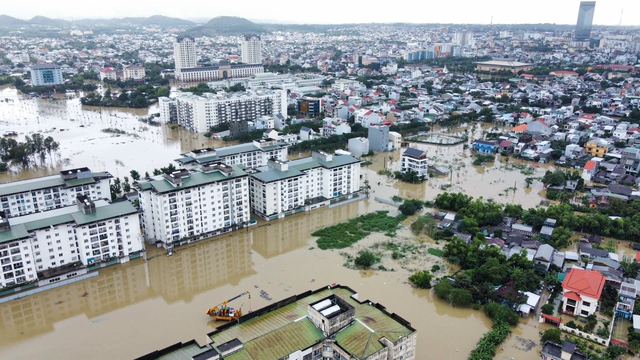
585,20
184,52
251,49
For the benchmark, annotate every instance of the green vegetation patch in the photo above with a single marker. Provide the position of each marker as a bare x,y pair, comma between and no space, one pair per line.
435,252
345,234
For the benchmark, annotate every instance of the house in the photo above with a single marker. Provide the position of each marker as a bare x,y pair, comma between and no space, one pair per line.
378,138
543,257
486,147
539,127
334,126
573,151
108,73
307,133
581,291
414,160
567,351
358,146
395,140
589,170
596,147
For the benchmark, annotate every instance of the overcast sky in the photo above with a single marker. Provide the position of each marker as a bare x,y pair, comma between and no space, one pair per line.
337,11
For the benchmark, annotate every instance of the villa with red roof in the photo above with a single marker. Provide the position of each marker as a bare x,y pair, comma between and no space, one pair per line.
581,291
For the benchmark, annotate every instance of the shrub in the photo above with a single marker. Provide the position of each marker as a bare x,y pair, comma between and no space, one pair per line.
409,207
366,259
443,289
421,279
461,297
435,268
501,314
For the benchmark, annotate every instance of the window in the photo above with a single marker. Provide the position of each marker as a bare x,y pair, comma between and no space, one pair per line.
586,303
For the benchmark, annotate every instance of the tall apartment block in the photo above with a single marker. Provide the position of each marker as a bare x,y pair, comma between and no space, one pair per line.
199,113
251,49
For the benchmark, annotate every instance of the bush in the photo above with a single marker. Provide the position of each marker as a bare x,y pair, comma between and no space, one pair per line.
461,297
421,279
500,313
435,268
443,289
366,259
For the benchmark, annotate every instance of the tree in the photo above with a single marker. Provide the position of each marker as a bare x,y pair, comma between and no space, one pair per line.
421,279
547,309
134,175
461,297
553,335
409,207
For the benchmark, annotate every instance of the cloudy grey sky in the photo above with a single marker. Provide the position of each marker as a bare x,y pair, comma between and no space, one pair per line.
337,11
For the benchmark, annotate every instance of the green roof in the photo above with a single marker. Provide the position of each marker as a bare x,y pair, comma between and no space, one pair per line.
196,178
45,182
21,225
270,175
296,167
79,182
228,151
186,352
284,341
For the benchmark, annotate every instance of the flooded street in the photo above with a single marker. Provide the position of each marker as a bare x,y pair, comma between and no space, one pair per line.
129,310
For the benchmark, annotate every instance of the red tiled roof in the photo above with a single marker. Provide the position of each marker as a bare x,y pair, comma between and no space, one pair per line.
572,295
590,165
637,256
522,127
505,143
543,122
584,282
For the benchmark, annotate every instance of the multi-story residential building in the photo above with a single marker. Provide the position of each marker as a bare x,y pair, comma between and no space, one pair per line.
333,126
108,73
249,155
224,70
133,72
596,147
251,49
358,146
184,53
186,206
55,191
50,246
46,74
378,136
328,323
282,188
581,291
200,113
395,140
309,106
168,110
414,161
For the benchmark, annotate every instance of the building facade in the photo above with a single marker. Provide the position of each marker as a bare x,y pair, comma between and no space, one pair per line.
224,70
251,49
283,188
199,113
186,206
378,136
585,20
57,244
168,110
184,53
358,146
414,161
108,73
133,72
51,192
581,291
46,75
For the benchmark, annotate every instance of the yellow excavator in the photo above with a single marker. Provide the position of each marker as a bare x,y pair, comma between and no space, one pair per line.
223,312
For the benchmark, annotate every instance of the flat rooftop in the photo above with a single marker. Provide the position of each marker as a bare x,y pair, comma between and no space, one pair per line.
283,328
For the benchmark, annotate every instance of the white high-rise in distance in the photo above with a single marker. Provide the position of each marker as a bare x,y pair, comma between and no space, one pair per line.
184,52
251,49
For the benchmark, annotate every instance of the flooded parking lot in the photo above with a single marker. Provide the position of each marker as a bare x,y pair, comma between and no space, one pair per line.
145,305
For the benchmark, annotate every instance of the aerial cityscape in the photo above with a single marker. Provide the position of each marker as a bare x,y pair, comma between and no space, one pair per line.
256,185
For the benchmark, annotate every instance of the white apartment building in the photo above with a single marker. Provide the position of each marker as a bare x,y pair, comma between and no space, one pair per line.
199,113
46,74
133,72
187,206
168,110
184,52
55,191
47,245
358,146
249,155
108,73
283,188
251,49
414,160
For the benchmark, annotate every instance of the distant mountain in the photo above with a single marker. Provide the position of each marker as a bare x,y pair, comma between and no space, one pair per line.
6,20
45,21
227,25
167,21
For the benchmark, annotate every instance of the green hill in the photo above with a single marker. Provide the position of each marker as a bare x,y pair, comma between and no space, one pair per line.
6,20
227,25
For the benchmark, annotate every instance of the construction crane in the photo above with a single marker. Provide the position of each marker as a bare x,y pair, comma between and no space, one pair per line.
223,312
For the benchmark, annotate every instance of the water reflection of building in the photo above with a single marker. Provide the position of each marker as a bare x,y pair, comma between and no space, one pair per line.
199,268
293,232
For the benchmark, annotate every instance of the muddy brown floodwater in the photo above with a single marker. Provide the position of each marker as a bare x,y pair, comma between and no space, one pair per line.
129,310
